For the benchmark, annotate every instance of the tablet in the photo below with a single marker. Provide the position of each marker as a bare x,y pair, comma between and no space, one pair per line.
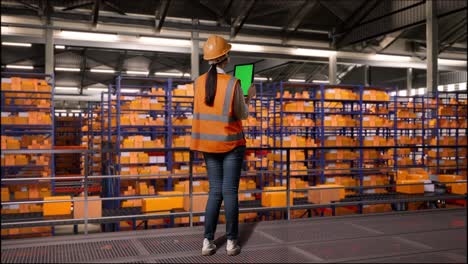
245,73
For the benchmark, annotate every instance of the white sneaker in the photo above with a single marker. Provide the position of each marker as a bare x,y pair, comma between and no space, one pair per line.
209,247
232,247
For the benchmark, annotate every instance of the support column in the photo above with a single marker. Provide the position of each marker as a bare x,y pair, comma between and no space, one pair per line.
367,77
195,58
49,51
409,80
432,44
332,69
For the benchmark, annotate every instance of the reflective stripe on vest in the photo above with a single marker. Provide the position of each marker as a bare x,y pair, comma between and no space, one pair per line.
220,138
212,117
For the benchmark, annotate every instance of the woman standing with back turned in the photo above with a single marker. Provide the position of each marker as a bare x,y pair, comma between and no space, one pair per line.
219,107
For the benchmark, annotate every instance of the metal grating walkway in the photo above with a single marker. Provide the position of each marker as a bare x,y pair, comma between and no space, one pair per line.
436,236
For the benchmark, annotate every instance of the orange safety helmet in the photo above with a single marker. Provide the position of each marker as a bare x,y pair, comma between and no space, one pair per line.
215,47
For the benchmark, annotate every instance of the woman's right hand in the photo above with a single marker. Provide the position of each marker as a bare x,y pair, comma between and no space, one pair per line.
252,92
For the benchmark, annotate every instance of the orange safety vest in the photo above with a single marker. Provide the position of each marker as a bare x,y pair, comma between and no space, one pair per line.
214,128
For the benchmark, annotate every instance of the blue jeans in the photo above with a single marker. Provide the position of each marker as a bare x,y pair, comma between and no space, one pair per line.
224,171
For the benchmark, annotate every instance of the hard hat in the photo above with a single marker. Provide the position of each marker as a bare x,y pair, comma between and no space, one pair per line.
215,47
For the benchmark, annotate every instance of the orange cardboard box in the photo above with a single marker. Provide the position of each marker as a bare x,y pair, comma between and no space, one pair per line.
319,195
410,189
59,208
94,207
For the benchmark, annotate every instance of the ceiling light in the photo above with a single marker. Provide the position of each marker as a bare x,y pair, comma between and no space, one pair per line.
402,93
451,87
176,74
413,92
20,67
260,79
421,91
246,47
16,44
320,81
64,88
59,46
462,86
102,71
440,88
392,93
313,52
67,69
137,72
97,89
384,57
60,110
451,62
187,75
88,36
166,41
76,111
296,80
130,90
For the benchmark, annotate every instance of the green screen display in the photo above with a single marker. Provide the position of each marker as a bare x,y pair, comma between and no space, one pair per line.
245,74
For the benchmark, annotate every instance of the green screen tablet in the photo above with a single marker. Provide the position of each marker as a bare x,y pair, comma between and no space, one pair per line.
245,73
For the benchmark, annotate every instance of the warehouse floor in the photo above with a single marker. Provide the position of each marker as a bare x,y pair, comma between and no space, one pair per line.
436,236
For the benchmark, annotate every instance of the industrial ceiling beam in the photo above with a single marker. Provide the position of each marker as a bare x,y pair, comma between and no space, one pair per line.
297,19
82,69
344,29
71,7
114,7
240,19
120,63
219,15
336,12
160,14
95,14
406,14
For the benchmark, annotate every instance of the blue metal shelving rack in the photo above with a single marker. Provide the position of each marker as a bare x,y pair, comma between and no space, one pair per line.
8,105
456,128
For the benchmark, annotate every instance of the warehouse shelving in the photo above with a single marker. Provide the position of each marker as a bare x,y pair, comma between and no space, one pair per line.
27,124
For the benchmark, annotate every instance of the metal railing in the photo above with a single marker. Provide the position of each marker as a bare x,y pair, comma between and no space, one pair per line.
190,176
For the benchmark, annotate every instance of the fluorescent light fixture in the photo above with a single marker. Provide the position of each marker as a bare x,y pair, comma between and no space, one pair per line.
451,62
176,74
451,87
76,111
402,93
130,90
166,41
20,67
440,88
102,71
413,92
64,88
187,75
16,44
390,57
247,47
296,80
59,46
60,110
260,79
421,91
88,36
313,52
462,86
320,81
392,93
97,89
137,72
67,69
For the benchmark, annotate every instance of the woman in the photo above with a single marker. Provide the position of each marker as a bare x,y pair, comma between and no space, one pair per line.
219,107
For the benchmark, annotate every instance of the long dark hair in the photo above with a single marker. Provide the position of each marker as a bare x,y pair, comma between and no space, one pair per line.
210,86
211,83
